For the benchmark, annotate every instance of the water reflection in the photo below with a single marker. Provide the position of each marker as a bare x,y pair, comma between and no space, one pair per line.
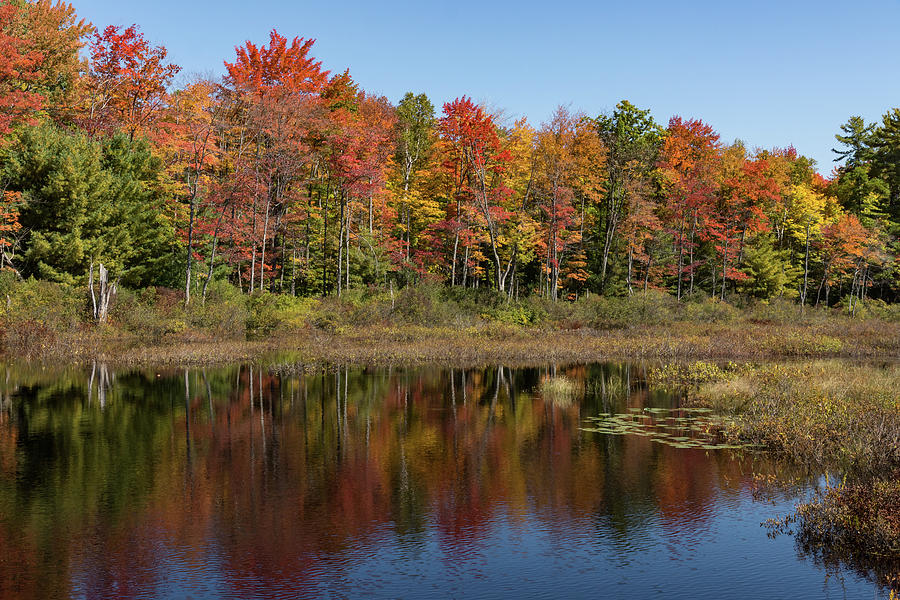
254,481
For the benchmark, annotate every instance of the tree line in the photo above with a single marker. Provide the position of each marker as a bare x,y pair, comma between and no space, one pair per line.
285,177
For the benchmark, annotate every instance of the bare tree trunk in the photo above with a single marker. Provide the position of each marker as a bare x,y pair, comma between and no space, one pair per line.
190,252
465,266
630,261
805,269
294,272
453,263
325,246
725,264
680,256
822,284
101,299
253,268
262,256
212,254
347,249
340,265
647,272
612,222
693,230
91,287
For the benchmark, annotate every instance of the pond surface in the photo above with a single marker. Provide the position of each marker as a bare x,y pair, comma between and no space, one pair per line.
416,483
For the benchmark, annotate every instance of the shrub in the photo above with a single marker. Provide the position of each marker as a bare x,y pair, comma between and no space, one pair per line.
150,313
423,306
224,313
644,308
708,310
522,314
878,309
36,313
53,305
330,314
269,312
856,523
471,301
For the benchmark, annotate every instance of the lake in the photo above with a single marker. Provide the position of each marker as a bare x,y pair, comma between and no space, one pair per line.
271,482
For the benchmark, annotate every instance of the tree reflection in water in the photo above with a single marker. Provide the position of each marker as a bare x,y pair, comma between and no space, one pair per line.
247,481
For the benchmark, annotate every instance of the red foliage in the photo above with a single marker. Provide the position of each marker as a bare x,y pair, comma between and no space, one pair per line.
128,81
19,66
277,68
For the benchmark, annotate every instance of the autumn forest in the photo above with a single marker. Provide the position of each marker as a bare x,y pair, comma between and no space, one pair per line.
267,333
118,170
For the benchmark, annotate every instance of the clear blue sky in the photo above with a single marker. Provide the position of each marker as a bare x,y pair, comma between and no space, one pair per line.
770,73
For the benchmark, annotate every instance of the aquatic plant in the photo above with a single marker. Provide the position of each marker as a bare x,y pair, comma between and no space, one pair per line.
561,390
856,524
689,427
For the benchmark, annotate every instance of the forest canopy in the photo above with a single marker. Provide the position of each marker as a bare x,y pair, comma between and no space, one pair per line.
285,177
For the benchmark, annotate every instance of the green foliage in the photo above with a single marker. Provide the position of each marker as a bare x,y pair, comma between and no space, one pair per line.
522,314
35,314
415,126
709,310
269,312
51,304
629,133
225,312
650,308
782,311
690,374
886,156
90,201
856,139
150,313
769,270
423,305
862,194
877,309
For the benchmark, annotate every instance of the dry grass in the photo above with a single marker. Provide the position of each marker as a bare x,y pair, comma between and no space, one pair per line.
857,524
821,411
561,390
831,414
488,343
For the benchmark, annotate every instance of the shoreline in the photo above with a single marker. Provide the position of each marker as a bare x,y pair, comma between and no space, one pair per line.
418,345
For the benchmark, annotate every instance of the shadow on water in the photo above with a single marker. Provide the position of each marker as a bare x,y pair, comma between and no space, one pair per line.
243,481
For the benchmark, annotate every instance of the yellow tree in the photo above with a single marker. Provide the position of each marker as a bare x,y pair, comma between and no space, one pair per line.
519,177
805,213
569,160
10,227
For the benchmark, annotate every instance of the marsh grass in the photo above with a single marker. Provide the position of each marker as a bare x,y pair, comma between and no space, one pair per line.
51,321
826,412
855,524
479,344
832,415
561,390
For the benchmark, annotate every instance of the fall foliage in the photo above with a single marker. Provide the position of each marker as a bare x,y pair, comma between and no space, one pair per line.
286,177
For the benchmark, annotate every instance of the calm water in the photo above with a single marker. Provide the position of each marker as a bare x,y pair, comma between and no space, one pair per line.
247,482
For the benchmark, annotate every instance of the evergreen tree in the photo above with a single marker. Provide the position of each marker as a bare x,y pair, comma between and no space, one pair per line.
86,201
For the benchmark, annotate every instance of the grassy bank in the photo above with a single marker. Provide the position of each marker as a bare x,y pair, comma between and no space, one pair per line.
47,321
825,412
837,416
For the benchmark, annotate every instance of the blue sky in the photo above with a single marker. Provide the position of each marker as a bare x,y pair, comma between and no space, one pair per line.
770,73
